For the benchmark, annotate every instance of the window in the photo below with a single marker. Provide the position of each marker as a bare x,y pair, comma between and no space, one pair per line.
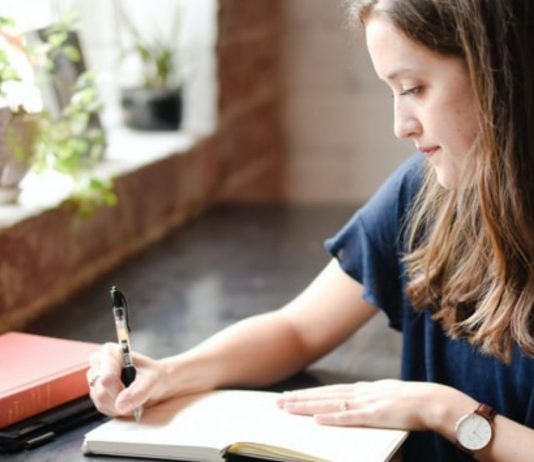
101,38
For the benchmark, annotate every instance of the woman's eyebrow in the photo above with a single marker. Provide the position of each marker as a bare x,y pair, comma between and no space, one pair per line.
398,73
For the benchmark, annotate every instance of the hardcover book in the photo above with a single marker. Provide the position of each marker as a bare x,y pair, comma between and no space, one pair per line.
38,373
209,426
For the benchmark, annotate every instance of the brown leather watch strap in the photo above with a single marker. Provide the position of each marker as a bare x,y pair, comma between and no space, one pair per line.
486,411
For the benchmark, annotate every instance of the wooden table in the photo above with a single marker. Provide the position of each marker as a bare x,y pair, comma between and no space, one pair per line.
228,264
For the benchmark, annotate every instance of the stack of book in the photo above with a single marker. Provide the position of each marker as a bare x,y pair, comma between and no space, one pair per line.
40,377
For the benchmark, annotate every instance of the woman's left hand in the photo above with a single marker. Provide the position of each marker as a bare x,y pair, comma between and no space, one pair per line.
384,403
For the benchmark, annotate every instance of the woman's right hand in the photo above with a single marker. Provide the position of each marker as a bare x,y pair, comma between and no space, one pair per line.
107,391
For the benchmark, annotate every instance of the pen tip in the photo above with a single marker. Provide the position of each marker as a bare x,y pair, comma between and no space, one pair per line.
138,412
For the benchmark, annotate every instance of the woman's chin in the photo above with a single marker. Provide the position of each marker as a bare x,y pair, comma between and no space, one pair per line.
444,178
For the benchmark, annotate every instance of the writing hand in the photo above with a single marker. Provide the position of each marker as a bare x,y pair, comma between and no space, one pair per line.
108,391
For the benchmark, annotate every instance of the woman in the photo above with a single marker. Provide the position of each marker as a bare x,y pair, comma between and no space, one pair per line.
445,248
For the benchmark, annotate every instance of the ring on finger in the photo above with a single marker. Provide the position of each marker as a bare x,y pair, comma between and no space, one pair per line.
92,378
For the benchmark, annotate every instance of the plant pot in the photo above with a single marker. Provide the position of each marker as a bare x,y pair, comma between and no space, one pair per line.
147,109
17,139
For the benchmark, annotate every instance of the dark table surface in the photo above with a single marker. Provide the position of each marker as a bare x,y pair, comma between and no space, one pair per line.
228,264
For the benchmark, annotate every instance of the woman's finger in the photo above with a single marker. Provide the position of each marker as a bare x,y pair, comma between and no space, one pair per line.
104,378
331,392
323,406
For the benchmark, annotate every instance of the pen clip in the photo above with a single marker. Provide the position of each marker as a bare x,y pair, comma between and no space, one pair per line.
119,300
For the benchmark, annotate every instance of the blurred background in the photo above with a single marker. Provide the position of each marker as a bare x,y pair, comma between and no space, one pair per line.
277,104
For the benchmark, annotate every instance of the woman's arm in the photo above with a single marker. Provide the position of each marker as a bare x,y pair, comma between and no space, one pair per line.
270,347
257,351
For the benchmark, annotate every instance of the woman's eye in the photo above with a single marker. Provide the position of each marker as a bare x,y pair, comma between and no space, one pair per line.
411,91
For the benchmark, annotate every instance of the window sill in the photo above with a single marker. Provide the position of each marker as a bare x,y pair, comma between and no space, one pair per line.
127,151
161,180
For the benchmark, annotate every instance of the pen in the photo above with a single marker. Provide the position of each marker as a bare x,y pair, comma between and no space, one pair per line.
120,314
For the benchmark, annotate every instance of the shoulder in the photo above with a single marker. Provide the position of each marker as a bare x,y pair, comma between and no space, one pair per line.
369,247
391,202
404,183
380,220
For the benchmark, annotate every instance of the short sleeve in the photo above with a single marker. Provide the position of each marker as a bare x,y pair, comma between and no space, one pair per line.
369,247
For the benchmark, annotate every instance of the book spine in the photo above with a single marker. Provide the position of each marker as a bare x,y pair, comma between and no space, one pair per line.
42,397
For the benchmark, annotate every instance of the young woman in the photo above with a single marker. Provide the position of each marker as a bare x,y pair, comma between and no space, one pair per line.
445,248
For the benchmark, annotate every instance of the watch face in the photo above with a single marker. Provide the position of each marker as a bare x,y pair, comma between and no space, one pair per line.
473,432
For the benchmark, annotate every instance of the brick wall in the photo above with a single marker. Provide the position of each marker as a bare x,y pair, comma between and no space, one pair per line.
50,256
250,133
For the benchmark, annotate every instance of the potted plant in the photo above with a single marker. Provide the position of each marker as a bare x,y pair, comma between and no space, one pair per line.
156,103
72,145
69,142
20,102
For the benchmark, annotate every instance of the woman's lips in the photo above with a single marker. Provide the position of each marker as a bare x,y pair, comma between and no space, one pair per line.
429,152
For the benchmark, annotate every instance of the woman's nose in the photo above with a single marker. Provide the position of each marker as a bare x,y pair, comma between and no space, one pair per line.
406,125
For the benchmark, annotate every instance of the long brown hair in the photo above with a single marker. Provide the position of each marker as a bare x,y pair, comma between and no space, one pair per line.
471,250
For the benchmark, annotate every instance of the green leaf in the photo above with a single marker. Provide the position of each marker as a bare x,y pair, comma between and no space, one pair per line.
72,53
57,39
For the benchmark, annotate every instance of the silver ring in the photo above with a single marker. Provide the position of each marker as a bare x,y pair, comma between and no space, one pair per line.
91,379
344,406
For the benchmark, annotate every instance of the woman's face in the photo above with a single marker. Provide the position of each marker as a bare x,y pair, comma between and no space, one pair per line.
434,102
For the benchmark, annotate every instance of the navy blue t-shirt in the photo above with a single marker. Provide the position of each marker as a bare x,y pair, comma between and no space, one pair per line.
369,248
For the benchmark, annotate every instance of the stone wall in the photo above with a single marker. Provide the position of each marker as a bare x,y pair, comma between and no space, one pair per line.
48,257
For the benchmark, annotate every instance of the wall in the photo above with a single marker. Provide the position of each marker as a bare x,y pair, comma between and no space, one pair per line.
46,258
249,49
320,131
338,116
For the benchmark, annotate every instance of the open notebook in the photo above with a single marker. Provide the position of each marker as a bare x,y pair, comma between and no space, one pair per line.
205,427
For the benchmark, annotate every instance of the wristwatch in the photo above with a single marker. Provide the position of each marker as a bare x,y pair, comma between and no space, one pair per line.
474,431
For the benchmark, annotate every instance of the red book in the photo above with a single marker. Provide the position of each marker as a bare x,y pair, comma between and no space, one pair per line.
38,373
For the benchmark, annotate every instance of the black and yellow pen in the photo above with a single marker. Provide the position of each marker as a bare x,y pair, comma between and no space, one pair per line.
122,325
